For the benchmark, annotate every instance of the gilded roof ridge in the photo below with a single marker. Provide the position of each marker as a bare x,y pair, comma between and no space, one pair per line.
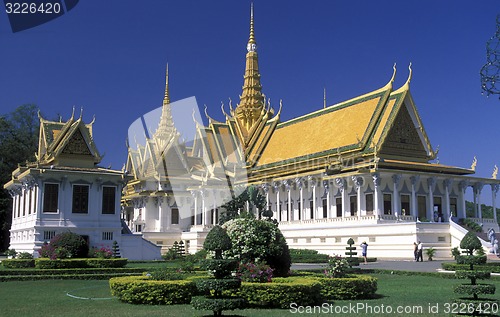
406,85
386,87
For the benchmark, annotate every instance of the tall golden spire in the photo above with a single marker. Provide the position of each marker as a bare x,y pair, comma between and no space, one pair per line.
166,129
248,111
166,99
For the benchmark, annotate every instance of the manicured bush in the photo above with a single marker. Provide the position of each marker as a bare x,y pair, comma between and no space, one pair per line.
282,292
102,252
353,261
166,274
143,290
44,263
307,256
349,287
256,273
31,271
471,259
18,263
254,240
493,267
215,299
24,255
470,242
65,245
103,263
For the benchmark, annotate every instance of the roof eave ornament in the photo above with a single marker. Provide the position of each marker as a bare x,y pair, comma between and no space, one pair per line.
407,84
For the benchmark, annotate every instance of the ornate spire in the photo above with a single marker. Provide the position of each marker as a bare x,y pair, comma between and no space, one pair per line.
251,39
248,111
166,129
166,99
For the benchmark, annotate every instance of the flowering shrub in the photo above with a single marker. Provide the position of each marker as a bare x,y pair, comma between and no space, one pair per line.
258,240
337,267
256,273
65,245
103,252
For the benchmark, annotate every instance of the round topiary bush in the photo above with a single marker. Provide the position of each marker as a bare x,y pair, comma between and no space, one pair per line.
470,242
215,299
256,240
65,245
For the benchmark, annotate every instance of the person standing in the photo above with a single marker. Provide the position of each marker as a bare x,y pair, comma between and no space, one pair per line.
415,251
364,248
420,249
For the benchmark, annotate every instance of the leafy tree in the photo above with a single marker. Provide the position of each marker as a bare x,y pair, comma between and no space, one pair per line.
259,240
18,143
245,205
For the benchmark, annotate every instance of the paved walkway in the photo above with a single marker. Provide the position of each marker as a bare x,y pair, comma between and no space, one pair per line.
394,264
386,264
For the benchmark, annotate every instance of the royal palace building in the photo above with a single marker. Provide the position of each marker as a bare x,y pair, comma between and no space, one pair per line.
362,169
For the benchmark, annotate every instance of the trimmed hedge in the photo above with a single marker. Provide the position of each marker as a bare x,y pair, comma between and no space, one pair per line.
351,287
467,274
307,256
206,285
470,289
281,292
13,272
143,290
302,290
18,263
493,267
217,304
471,259
105,276
45,263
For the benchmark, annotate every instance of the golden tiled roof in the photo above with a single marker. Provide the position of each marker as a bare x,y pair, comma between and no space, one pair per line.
330,130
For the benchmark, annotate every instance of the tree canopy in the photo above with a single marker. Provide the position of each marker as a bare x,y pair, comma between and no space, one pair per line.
18,144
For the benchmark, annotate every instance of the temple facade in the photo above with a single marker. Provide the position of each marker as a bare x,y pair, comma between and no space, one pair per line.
66,190
362,169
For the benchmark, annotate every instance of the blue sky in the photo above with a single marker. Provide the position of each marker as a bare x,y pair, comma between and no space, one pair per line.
109,58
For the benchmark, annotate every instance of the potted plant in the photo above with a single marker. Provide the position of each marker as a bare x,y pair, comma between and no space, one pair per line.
430,252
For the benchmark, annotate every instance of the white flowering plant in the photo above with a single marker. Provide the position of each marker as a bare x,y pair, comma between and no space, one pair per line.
256,240
337,267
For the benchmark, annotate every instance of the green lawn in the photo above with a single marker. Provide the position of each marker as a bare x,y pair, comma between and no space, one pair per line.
48,298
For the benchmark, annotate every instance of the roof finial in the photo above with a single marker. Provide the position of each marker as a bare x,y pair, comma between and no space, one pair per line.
166,99
394,73
252,44
409,75
324,97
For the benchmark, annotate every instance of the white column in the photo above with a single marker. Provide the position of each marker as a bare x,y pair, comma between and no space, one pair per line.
462,186
301,197
289,211
447,188
494,191
315,208
195,203
414,206
342,185
396,206
326,186
277,212
478,187
377,195
358,183
430,206
161,213
203,208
